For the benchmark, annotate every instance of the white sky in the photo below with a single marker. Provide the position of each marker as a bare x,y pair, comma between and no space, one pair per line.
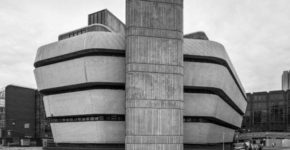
256,33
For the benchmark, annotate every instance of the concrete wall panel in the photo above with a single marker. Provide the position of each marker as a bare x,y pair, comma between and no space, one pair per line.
114,132
153,54
90,40
211,49
206,133
115,23
213,75
89,132
85,102
212,106
82,70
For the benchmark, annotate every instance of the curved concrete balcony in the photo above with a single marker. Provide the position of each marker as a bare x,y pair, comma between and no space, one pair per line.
96,101
210,49
206,133
90,40
214,76
81,70
209,105
89,132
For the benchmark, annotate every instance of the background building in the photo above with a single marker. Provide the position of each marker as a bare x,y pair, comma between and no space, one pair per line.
286,80
267,118
23,116
2,111
267,111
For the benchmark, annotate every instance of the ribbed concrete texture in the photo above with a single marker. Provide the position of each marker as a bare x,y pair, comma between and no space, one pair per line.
154,75
106,18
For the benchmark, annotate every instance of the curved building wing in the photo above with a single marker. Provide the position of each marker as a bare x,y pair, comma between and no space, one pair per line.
83,80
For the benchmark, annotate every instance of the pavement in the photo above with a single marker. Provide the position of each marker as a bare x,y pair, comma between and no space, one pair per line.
276,148
20,148
40,148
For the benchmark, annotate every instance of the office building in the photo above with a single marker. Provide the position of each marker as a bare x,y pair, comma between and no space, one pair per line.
267,118
267,111
140,85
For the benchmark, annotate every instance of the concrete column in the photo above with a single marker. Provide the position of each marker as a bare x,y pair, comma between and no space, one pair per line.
154,75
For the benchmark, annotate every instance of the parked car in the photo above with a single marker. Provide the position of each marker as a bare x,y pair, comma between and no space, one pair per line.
240,146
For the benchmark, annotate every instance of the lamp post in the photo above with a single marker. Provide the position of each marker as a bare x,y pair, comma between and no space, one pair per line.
223,140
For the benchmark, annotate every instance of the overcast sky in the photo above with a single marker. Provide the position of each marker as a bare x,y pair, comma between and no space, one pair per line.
256,34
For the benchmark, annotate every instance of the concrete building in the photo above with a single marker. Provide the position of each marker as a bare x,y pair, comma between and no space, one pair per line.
154,75
143,85
22,117
286,80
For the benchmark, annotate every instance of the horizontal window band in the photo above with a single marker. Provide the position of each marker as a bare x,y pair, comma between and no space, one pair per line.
121,117
91,117
121,146
214,60
215,91
121,53
206,145
205,119
121,86
79,54
205,59
91,145
83,87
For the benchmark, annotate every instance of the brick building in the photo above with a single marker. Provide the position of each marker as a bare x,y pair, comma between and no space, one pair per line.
22,116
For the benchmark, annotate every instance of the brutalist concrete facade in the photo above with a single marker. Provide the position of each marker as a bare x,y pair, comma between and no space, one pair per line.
154,75
149,88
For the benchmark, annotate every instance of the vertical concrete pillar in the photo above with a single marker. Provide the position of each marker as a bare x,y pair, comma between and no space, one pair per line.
154,75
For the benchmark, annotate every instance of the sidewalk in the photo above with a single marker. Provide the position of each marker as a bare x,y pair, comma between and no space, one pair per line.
276,148
20,148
